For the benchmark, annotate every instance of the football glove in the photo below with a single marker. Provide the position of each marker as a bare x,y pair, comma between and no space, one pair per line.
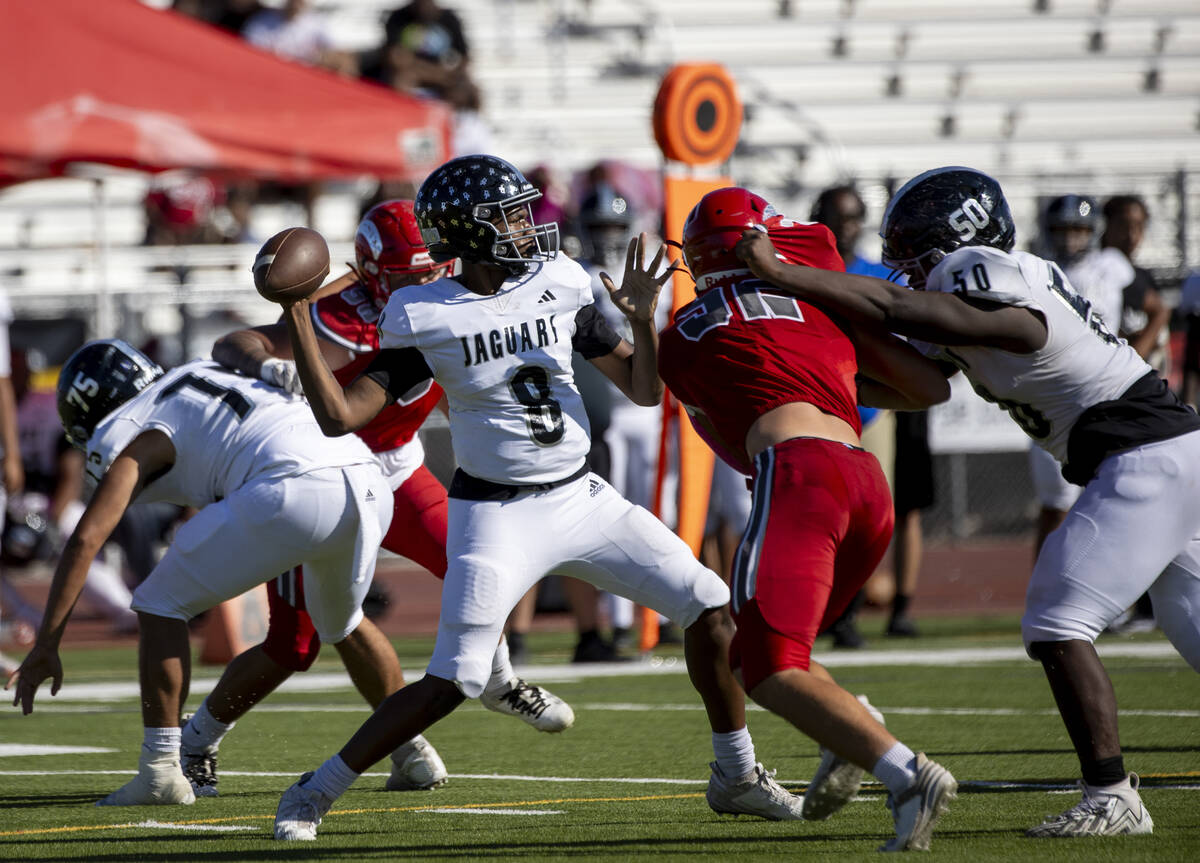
282,374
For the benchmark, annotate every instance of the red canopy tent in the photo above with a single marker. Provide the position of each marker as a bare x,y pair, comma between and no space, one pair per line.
120,83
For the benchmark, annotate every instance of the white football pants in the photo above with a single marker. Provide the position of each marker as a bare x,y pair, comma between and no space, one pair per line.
330,520
1135,527
499,549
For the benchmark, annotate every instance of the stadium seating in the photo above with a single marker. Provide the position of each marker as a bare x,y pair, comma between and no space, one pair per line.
1051,95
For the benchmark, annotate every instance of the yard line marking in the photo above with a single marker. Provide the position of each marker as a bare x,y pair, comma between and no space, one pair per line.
12,750
326,681
82,828
290,773
461,811
179,825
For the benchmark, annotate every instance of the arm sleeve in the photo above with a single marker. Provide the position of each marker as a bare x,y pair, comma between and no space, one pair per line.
403,372
593,335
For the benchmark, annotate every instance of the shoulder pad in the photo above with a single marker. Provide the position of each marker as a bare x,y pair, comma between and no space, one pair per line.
988,274
347,318
394,329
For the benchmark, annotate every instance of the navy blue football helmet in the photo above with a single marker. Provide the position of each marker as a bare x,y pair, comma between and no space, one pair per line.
96,380
477,208
940,211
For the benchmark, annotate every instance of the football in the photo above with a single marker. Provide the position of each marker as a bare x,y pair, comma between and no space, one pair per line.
291,265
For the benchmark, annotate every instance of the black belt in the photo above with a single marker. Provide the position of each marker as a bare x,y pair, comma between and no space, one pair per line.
466,487
1147,412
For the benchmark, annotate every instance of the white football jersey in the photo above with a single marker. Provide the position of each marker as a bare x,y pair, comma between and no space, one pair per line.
504,360
1081,364
1101,276
226,429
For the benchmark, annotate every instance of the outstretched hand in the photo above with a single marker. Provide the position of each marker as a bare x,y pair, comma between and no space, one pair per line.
637,297
38,665
757,250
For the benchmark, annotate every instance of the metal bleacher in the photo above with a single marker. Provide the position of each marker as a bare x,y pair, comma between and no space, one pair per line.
1100,96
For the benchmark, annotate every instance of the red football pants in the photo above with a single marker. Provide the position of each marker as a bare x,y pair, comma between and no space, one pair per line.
820,523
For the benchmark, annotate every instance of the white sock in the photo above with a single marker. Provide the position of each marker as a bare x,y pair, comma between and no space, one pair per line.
161,739
735,752
897,769
203,732
332,778
503,676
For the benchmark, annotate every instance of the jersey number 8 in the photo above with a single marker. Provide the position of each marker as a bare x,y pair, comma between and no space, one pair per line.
543,414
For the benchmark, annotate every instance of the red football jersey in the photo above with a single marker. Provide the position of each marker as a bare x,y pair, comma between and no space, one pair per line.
348,319
742,349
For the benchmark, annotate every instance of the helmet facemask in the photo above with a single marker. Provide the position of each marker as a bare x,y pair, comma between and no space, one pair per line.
519,241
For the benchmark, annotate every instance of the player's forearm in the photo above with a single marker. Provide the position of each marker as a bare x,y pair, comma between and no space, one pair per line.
325,395
646,387
118,488
244,350
69,578
860,298
875,394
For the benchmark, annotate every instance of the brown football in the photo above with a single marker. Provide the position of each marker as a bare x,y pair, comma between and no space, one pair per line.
291,265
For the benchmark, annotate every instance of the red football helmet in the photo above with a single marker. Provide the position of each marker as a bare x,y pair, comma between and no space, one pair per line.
389,251
715,225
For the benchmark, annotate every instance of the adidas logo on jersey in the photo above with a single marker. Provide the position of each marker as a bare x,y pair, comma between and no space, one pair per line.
370,495
594,487
547,297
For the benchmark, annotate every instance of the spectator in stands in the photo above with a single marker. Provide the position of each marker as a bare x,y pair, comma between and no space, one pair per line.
425,49
1101,275
1189,307
179,207
295,32
470,133
229,15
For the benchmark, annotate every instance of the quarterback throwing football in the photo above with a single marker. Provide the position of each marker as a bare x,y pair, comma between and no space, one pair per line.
499,340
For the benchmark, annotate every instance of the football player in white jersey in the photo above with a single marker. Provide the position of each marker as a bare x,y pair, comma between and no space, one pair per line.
272,490
1100,276
1028,342
499,339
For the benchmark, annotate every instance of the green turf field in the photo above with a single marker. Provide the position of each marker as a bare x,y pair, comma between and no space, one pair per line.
627,781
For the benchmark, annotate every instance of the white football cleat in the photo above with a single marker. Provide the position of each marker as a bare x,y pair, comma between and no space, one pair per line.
837,780
159,782
416,766
917,809
756,793
1104,811
544,710
300,812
